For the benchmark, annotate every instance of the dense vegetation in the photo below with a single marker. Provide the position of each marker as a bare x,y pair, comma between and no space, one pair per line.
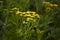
29,20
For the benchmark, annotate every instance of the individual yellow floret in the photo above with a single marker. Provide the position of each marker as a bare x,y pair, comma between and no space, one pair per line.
27,15
28,19
18,12
36,15
21,14
24,22
28,11
32,16
15,8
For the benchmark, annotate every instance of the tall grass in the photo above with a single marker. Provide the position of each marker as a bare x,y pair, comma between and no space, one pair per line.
27,19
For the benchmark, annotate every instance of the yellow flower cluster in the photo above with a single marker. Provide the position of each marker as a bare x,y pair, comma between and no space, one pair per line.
50,4
30,16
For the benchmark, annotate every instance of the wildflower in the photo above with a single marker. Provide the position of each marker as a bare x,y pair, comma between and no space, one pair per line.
51,5
47,3
24,22
18,12
31,16
28,19
55,5
34,20
27,15
15,8
21,14
28,12
37,15
48,9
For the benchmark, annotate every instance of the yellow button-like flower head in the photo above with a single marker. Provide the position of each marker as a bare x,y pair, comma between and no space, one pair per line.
15,8
46,3
17,12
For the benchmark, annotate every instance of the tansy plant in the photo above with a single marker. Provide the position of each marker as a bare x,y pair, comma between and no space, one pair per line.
29,16
27,23
23,23
49,4
49,8
28,20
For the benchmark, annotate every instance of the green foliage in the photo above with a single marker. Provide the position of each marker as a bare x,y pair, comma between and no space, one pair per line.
44,26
